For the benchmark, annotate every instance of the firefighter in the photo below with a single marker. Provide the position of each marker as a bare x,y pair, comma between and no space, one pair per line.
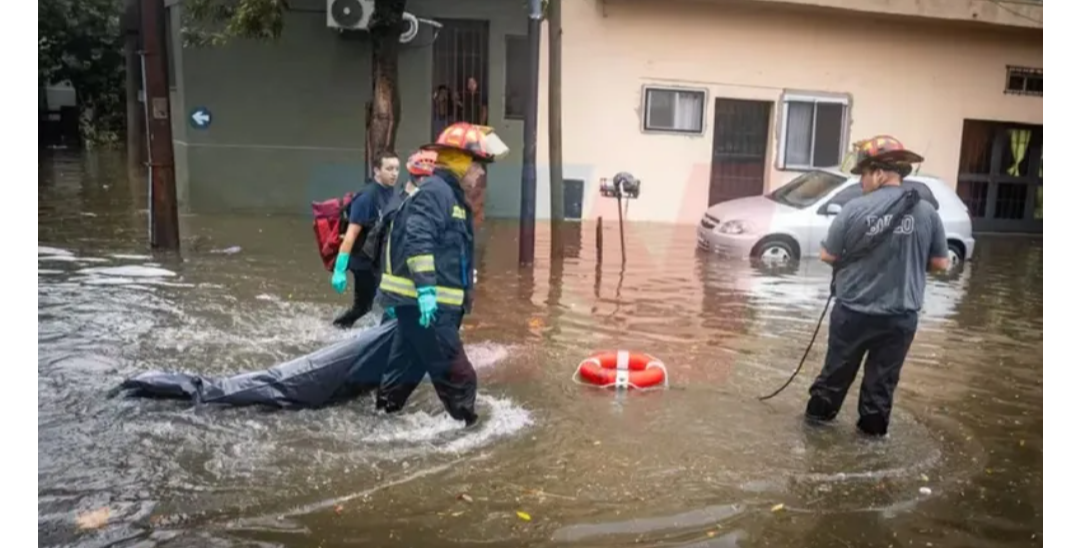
878,294
427,275
420,165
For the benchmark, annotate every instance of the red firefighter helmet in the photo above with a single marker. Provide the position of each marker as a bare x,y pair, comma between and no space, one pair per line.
884,150
480,142
421,163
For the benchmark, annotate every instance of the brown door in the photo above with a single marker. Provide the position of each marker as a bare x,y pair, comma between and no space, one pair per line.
740,146
1000,177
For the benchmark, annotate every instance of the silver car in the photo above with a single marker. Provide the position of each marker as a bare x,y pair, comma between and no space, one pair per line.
790,222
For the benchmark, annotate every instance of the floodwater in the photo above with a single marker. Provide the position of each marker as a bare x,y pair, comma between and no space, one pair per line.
553,463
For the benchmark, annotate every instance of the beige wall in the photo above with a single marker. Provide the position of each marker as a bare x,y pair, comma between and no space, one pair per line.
1015,13
909,78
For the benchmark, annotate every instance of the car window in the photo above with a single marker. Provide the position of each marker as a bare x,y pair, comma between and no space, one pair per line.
806,189
847,195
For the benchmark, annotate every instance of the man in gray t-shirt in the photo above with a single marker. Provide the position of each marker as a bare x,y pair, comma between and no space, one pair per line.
878,290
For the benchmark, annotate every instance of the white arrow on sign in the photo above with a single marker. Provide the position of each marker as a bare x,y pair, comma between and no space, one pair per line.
201,118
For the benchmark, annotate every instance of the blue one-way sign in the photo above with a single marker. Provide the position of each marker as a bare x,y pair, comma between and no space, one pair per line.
200,118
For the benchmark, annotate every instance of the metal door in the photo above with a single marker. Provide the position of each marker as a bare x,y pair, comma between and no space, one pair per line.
740,149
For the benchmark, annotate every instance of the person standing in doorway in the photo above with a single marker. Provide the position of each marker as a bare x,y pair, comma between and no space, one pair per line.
443,110
364,211
878,295
474,109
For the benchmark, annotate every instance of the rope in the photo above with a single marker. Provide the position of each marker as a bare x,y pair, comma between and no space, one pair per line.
798,368
907,201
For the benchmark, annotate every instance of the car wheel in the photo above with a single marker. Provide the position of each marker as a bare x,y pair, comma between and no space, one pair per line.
775,251
956,255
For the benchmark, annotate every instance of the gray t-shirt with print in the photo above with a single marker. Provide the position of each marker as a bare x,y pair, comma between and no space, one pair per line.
891,279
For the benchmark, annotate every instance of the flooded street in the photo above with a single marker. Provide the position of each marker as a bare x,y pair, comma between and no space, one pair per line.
552,463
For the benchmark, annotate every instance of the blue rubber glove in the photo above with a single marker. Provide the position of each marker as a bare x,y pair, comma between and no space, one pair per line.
391,313
337,279
425,296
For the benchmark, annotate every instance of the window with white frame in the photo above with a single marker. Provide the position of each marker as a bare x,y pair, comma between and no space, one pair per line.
814,131
672,109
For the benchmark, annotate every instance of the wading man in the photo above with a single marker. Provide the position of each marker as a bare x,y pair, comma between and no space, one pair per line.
878,294
364,211
427,275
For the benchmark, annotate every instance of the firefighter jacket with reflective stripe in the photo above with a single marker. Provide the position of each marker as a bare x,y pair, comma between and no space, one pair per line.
430,244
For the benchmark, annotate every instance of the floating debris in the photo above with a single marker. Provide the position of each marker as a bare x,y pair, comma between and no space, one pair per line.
94,519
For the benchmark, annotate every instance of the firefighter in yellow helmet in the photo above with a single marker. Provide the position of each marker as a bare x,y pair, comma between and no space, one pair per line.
880,246
427,277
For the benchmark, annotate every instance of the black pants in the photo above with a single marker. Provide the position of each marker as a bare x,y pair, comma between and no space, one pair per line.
365,282
884,341
435,350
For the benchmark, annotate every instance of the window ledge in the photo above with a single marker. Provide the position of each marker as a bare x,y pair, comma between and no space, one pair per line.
673,132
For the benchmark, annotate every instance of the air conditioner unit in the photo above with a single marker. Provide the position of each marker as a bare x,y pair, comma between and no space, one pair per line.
349,14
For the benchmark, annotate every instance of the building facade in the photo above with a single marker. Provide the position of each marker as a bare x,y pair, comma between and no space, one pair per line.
703,100
708,100
272,126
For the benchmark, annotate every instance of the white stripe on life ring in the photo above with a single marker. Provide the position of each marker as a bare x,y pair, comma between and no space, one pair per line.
622,369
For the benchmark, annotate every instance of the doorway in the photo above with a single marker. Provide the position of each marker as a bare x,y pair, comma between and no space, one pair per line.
740,149
1000,177
459,78
459,74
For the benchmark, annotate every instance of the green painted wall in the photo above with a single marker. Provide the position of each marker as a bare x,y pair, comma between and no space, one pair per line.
288,116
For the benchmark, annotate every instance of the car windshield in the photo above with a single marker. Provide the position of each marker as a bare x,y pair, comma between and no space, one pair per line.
806,189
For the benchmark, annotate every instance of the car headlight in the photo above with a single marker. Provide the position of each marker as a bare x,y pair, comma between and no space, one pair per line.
735,227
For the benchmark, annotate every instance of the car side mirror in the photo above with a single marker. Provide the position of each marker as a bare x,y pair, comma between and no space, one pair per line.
833,209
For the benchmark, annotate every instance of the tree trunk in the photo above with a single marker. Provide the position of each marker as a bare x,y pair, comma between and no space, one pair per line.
475,196
386,28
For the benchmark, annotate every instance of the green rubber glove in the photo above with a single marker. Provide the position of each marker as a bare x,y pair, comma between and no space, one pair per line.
337,279
425,296
391,313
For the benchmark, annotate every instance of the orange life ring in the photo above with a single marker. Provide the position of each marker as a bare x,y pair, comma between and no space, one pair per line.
623,369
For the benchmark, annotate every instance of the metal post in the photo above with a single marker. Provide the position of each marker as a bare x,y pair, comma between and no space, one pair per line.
622,236
527,228
554,21
164,232
133,77
599,240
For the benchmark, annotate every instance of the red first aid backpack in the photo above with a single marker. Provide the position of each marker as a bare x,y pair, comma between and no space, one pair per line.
331,222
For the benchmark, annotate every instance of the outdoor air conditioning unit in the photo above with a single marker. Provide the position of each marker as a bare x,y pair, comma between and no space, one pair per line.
349,14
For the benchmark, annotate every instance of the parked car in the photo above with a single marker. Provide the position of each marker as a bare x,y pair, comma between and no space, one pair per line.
790,222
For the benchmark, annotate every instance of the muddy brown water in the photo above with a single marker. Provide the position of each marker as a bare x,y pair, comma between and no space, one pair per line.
702,463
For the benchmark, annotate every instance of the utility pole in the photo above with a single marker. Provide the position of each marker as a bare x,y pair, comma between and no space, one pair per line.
164,232
527,228
554,21
136,126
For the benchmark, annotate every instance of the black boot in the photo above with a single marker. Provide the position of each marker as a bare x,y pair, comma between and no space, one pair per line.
470,418
873,425
346,320
819,409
